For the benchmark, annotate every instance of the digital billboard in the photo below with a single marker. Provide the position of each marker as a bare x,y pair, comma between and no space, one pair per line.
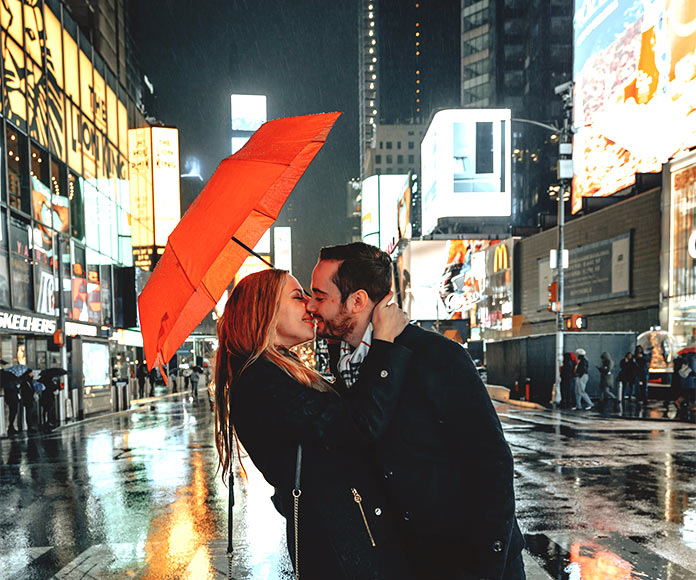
154,189
165,182
635,90
248,114
379,206
458,279
466,165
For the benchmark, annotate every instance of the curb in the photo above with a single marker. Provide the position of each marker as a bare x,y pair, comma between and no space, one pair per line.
502,395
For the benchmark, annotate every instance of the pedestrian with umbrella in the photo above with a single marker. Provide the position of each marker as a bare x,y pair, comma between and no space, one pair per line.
10,385
50,379
25,380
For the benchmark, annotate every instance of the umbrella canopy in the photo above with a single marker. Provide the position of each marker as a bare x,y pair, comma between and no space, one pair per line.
18,370
242,200
52,373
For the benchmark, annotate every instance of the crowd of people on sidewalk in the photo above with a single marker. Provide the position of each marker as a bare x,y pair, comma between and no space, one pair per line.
629,384
30,399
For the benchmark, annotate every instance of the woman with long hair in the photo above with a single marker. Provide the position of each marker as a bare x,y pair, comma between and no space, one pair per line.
272,403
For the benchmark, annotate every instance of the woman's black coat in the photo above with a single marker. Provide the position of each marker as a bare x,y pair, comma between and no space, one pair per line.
272,413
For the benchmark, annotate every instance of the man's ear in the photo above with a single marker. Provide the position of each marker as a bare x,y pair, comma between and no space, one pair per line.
359,301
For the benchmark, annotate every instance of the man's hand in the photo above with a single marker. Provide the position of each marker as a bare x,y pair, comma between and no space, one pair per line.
388,320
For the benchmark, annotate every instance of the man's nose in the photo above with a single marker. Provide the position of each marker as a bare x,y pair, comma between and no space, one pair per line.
310,306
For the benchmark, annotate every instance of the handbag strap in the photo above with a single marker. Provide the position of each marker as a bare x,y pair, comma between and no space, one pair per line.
230,548
296,493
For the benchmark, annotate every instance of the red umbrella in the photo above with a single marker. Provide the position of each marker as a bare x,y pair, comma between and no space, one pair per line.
687,350
240,202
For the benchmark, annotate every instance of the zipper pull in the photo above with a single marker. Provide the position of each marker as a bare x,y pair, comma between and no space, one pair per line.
358,499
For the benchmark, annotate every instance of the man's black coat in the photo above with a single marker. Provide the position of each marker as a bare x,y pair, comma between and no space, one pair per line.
445,461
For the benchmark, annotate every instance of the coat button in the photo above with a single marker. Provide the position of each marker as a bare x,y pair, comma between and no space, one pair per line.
384,373
388,474
497,546
407,516
378,511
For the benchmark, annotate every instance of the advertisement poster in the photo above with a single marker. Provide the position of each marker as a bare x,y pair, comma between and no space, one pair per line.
458,280
466,165
635,74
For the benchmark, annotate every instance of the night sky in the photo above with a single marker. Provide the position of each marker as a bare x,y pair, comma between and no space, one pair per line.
302,55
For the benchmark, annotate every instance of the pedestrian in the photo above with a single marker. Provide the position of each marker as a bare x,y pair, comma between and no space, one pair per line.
194,383
47,400
686,375
443,458
274,403
153,380
567,375
627,375
186,373
581,377
141,376
606,378
642,374
26,390
12,397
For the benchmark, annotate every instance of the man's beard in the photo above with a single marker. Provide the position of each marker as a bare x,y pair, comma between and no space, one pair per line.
338,328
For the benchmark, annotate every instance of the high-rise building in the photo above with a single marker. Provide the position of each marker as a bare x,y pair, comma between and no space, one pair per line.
513,54
409,63
395,150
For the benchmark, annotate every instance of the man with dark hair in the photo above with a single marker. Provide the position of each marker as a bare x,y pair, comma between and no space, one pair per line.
445,462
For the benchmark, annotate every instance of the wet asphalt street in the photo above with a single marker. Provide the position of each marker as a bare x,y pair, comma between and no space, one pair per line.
136,495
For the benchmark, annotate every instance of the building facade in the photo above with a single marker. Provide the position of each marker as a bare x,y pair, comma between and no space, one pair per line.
396,150
65,202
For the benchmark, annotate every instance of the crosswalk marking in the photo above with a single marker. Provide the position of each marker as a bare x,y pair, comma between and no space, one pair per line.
102,562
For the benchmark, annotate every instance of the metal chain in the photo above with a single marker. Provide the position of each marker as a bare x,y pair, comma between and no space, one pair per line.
229,567
296,493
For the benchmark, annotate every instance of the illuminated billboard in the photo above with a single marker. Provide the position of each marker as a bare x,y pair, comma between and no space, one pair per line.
635,90
154,190
466,165
380,197
458,279
165,181
248,114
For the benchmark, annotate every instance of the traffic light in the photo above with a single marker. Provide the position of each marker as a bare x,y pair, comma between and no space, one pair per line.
553,297
575,322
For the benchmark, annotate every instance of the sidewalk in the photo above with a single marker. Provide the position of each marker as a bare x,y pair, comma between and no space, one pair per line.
629,410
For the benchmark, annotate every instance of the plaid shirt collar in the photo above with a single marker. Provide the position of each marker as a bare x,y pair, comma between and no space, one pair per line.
349,360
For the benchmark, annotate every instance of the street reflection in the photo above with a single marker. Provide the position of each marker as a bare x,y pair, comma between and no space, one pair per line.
590,561
175,536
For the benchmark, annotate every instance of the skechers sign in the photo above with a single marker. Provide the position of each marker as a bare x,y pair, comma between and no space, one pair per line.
25,323
466,165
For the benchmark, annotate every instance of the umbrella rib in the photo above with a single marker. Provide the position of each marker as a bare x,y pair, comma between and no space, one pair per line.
195,289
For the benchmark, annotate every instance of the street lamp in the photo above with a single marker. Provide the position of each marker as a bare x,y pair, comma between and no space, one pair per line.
565,177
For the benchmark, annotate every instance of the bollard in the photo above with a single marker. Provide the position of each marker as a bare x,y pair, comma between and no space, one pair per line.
526,389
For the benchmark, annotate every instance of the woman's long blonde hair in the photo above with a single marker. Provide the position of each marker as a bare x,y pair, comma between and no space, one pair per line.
245,331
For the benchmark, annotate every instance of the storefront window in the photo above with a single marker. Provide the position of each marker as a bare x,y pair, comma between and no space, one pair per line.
683,284
79,284
106,295
94,299
77,211
4,262
63,249
20,264
17,170
40,190
45,281
60,201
